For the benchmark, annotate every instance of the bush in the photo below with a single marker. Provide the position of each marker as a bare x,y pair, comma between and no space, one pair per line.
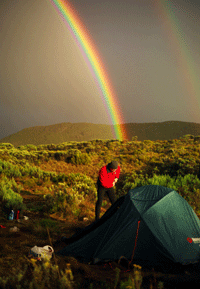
187,186
163,180
6,146
69,192
81,183
135,138
43,155
132,181
60,155
55,202
82,159
28,147
8,195
76,157
90,148
9,169
62,200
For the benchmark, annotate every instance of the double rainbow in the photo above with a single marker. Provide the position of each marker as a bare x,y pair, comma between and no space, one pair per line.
181,50
95,64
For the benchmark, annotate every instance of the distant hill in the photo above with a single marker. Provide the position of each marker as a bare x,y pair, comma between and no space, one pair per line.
162,130
64,132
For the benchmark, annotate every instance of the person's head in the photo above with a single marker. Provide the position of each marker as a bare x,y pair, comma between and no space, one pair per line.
113,166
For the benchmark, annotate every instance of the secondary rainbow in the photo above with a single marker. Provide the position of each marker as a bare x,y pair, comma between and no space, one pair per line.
95,64
181,49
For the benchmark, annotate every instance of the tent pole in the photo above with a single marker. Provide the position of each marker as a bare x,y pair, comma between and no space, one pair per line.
135,244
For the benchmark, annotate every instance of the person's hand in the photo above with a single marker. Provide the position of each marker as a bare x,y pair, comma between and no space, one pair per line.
115,181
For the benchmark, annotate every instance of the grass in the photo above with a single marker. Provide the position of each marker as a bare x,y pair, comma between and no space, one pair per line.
71,190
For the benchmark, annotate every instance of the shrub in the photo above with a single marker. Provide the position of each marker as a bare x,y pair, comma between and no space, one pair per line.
55,177
55,202
135,138
43,155
81,183
187,186
30,183
29,147
60,155
60,201
130,182
24,154
69,192
75,156
6,146
9,169
83,159
33,171
90,149
8,195
163,180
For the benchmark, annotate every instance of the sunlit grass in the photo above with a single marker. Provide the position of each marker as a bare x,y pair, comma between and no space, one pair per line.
33,172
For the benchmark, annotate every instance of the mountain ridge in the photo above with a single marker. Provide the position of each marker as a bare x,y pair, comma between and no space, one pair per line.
65,132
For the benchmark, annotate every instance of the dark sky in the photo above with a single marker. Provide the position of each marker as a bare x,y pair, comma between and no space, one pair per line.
149,48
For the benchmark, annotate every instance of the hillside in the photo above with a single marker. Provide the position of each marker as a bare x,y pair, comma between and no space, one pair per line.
59,133
64,132
162,130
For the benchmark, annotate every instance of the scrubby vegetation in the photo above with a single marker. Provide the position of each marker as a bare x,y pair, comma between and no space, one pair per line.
59,182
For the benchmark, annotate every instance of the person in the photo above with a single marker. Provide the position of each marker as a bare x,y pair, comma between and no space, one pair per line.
108,176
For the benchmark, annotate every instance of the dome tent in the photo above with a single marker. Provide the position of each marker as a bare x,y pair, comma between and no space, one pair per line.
153,221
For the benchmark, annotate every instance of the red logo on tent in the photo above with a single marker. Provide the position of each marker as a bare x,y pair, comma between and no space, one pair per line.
189,240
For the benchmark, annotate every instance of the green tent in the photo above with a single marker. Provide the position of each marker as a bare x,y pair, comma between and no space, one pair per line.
152,223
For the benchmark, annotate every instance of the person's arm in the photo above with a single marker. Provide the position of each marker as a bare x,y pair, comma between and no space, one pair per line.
117,176
115,181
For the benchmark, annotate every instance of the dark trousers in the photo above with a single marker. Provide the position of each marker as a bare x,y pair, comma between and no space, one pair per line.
101,192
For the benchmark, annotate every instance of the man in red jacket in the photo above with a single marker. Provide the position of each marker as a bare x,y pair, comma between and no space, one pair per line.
108,176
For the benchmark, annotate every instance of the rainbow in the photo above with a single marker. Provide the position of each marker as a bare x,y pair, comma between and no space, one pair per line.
180,49
95,64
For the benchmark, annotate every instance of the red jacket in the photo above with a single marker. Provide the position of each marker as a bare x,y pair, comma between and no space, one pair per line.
107,177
